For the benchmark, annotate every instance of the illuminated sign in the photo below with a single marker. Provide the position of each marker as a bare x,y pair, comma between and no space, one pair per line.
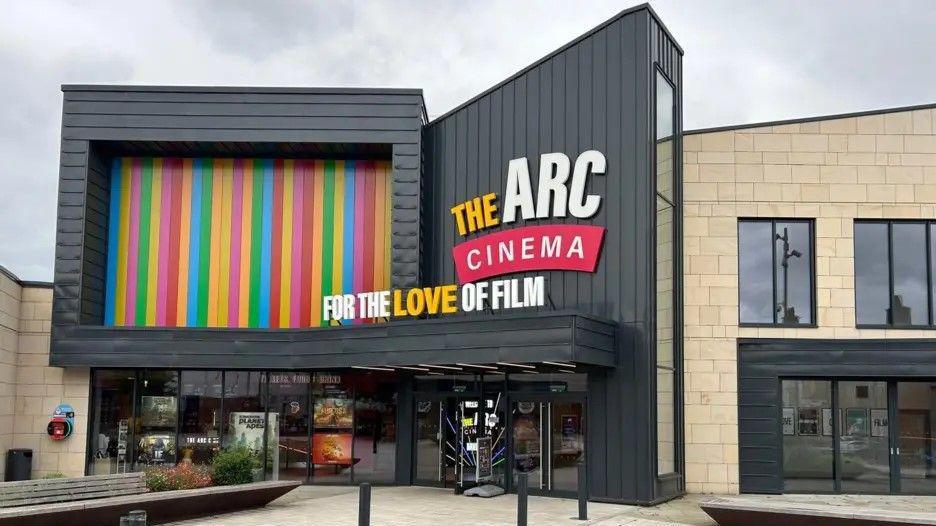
560,192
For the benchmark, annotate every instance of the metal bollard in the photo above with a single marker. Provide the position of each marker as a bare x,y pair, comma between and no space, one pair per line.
582,492
522,491
364,505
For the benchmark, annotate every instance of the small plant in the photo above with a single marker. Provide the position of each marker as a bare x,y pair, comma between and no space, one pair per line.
234,465
181,476
54,475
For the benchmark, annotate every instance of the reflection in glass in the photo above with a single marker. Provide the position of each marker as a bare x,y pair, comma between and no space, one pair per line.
289,402
428,441
112,406
863,443
156,427
200,431
567,446
806,422
527,442
916,411
908,244
244,418
872,274
755,274
665,116
664,286
332,428
666,421
375,427
793,272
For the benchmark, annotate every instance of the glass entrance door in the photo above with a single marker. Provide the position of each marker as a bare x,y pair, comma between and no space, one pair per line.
548,443
864,448
859,436
916,437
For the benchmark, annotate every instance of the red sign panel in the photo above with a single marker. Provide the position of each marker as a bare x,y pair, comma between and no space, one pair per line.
530,248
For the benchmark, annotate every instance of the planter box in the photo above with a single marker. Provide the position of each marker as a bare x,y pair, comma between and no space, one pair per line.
161,507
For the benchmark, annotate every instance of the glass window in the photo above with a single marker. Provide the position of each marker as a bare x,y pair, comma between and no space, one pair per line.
755,272
112,407
200,430
893,282
916,419
157,425
289,406
665,264
665,116
863,442
245,419
872,274
806,423
375,427
332,427
908,245
775,271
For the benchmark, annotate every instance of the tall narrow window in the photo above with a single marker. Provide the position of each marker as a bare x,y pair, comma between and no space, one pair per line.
775,271
665,283
893,273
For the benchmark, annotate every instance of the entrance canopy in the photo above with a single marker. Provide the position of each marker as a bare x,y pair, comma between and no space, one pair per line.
528,338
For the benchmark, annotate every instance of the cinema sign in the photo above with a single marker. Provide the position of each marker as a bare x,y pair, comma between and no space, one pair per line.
560,193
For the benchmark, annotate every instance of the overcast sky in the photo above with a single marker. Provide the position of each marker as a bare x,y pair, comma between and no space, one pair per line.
745,61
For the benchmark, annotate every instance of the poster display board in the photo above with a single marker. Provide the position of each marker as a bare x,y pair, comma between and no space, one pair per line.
332,448
483,468
247,428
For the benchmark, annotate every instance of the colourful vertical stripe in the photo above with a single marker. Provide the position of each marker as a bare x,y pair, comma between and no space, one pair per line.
242,242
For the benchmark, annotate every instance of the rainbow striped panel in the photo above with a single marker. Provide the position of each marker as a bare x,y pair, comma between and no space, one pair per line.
247,243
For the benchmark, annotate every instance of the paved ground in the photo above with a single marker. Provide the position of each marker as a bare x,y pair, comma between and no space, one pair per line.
415,506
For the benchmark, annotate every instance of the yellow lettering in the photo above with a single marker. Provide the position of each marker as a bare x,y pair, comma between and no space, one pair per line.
448,299
398,303
490,209
459,212
415,302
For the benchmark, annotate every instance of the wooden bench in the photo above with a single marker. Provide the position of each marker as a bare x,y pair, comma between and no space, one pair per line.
46,491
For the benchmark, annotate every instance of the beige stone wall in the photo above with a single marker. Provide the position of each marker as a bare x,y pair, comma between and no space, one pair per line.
30,389
10,295
39,388
833,171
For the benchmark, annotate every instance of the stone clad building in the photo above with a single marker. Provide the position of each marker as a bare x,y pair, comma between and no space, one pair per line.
831,171
29,388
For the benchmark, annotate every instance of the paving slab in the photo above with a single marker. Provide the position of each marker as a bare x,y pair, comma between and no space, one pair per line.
416,506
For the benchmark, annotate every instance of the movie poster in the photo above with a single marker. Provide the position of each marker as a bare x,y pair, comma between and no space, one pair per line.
807,422
333,413
158,411
246,429
331,448
789,429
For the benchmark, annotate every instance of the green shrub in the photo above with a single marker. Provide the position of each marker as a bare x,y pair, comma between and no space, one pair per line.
54,475
234,465
181,476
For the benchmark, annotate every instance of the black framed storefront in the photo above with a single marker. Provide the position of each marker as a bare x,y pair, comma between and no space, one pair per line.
837,416
343,426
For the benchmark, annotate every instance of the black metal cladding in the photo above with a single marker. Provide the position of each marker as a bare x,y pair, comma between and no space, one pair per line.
594,93
762,363
98,121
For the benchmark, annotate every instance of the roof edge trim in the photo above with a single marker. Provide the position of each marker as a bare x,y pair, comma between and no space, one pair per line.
818,118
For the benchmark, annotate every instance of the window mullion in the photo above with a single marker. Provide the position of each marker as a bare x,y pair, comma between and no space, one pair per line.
773,269
890,272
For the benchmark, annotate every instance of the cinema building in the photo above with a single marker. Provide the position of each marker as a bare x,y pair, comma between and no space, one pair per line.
361,294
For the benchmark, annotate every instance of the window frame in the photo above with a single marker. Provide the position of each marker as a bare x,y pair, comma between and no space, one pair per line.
675,203
813,311
928,226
